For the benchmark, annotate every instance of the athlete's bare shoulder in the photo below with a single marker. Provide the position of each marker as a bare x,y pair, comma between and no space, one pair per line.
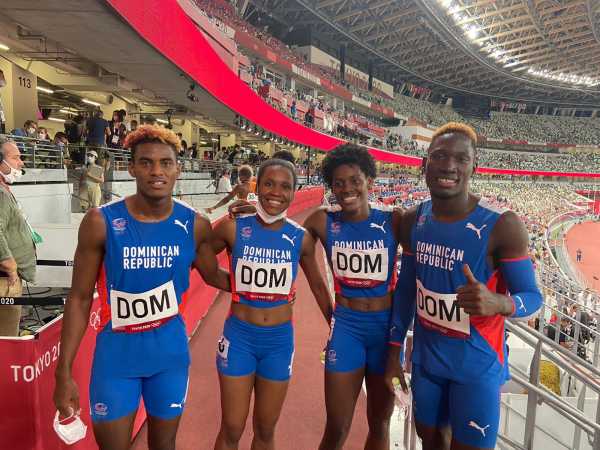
316,222
92,228
406,222
509,236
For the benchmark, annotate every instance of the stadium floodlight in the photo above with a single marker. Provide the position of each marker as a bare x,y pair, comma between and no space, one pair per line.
90,102
4,47
56,119
473,32
447,3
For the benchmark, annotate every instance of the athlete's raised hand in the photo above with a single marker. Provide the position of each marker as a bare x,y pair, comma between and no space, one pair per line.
476,299
66,397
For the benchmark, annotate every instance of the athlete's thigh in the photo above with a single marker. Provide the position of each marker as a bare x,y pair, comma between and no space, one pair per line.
430,406
114,434
165,393
236,356
474,415
346,350
380,401
235,398
269,396
162,432
341,393
113,396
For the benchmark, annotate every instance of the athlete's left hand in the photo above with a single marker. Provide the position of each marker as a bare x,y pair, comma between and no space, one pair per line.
476,299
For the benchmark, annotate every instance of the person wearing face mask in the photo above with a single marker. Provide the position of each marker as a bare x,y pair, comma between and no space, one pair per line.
255,352
92,177
29,130
17,248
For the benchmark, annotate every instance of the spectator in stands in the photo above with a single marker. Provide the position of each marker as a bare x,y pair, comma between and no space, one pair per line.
61,142
224,183
293,109
92,177
563,337
29,130
97,130
118,130
17,241
42,134
133,125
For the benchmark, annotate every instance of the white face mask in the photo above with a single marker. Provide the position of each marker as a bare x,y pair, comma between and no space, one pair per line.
91,159
13,175
70,432
268,218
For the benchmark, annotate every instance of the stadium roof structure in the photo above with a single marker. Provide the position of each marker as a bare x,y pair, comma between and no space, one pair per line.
532,50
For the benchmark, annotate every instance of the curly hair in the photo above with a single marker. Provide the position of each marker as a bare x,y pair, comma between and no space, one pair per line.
151,133
348,154
245,171
456,127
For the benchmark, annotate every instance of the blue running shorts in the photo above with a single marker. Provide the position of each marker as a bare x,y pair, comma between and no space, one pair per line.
114,396
358,339
472,410
244,349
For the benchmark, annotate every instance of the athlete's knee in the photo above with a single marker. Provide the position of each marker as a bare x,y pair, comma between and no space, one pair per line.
336,430
231,432
162,444
264,432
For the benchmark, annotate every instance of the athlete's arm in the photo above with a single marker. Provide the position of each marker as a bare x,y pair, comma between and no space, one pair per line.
223,236
206,259
509,249
403,302
225,199
88,258
316,224
318,287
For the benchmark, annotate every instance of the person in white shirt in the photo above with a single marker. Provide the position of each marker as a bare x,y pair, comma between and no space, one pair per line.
224,184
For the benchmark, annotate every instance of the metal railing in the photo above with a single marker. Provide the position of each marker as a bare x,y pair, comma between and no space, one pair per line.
42,154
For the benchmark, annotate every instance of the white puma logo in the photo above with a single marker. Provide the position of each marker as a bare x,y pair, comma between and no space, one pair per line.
187,385
374,225
178,222
470,226
482,429
287,238
522,306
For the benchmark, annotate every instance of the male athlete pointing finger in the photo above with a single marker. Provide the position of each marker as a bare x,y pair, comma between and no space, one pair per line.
461,254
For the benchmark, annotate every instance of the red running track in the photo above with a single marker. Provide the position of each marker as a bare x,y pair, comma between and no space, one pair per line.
586,236
303,417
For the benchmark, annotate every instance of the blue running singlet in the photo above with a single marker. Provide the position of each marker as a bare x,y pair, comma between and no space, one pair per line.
264,263
447,341
142,347
362,254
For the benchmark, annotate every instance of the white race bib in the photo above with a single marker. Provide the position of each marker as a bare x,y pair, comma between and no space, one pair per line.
272,279
360,268
440,312
143,311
